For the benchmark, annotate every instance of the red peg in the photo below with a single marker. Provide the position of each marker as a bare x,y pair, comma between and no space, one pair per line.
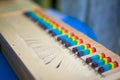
103,55
76,37
88,45
93,49
108,59
116,64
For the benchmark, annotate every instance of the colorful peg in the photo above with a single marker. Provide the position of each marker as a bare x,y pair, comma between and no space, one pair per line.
101,62
86,52
95,58
107,67
81,47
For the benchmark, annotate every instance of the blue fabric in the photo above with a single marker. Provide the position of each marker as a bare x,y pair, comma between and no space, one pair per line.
80,26
102,15
75,23
6,72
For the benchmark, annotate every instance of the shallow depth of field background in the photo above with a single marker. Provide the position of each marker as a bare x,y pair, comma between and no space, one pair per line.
102,15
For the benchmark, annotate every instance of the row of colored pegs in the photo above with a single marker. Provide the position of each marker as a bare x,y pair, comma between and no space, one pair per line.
83,50
46,23
70,39
54,29
102,62
58,31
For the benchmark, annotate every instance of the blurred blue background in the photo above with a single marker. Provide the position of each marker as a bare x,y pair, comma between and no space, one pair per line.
103,16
